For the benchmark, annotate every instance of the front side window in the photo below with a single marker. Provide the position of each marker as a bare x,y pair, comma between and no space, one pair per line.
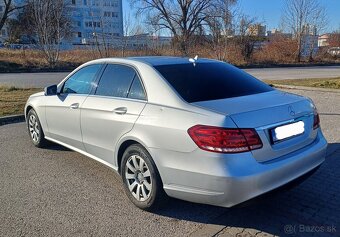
81,81
116,81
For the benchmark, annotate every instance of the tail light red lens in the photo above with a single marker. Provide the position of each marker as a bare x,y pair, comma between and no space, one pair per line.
316,119
225,140
316,122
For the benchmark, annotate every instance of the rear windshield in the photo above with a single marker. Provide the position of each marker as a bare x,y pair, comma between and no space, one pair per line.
210,81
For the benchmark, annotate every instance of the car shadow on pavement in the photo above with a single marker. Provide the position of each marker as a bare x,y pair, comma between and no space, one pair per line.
309,208
56,147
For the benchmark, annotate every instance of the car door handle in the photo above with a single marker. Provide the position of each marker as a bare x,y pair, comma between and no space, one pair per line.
74,106
120,110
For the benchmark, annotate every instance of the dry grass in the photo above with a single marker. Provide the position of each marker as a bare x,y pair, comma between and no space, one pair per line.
278,50
14,60
332,83
27,60
78,57
21,58
12,99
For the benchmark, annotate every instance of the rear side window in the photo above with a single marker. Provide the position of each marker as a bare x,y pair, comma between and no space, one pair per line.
116,81
137,90
81,81
210,81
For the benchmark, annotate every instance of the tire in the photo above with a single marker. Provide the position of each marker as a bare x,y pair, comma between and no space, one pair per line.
35,130
143,185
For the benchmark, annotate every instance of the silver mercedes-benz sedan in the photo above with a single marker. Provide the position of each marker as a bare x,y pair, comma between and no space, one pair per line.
195,129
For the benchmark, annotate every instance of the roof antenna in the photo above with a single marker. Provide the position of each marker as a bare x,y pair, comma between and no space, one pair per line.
193,60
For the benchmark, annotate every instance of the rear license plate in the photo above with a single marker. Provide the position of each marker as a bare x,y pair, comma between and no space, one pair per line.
287,131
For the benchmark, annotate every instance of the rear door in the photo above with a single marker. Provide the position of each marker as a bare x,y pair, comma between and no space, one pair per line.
112,110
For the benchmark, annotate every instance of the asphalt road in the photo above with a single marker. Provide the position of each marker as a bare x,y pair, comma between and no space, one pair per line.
295,72
31,80
41,80
58,192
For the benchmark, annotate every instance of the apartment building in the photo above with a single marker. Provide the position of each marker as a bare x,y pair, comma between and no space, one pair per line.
323,40
94,21
278,33
257,30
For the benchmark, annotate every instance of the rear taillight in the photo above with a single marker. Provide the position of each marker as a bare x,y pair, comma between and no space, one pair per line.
316,118
225,140
316,122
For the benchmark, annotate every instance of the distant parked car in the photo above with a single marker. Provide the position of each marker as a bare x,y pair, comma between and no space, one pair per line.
195,129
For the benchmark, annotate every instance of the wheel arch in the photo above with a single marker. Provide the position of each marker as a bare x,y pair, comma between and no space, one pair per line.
121,151
39,110
28,108
124,144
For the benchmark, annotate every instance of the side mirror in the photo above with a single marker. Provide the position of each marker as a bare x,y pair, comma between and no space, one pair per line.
51,90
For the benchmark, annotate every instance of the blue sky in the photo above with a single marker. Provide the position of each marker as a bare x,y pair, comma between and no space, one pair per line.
269,11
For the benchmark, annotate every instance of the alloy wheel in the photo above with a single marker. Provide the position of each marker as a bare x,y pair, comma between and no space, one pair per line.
33,126
138,177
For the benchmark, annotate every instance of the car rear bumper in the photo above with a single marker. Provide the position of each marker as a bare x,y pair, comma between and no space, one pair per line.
227,180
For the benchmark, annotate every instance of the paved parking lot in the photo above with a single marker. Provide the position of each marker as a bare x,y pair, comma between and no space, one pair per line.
54,191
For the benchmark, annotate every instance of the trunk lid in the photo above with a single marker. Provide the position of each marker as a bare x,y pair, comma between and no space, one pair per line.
264,112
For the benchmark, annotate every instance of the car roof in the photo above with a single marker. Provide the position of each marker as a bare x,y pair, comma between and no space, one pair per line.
167,60
152,60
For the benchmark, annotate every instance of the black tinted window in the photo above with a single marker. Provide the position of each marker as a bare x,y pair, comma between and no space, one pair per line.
81,81
137,90
210,81
115,81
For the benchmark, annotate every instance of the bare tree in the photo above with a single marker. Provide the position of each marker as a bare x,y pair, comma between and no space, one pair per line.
104,35
19,28
98,34
128,26
334,39
183,18
220,25
132,29
9,8
298,14
50,23
245,37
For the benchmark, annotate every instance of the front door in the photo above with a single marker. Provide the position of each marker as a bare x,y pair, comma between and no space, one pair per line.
63,110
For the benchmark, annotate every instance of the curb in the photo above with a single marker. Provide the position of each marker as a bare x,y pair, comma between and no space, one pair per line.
306,88
12,119
292,65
